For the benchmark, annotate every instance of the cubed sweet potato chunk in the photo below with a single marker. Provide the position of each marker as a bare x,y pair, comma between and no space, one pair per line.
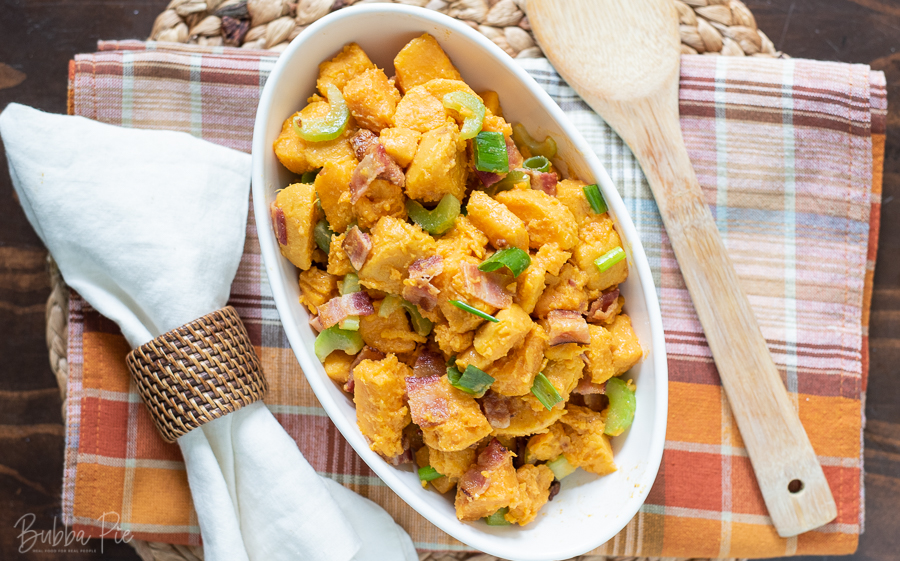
337,366
600,355
528,416
333,187
463,240
489,485
395,245
316,288
570,192
514,374
502,227
565,292
372,99
338,260
301,156
382,198
422,60
379,390
295,210
534,492
391,334
439,166
626,349
491,102
422,108
531,283
587,447
546,446
598,236
451,464
450,419
546,219
400,144
564,376
346,65
494,340
452,342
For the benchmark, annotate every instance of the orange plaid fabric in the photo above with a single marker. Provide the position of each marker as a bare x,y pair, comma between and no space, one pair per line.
789,154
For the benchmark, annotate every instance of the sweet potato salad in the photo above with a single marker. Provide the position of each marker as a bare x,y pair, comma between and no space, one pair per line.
464,293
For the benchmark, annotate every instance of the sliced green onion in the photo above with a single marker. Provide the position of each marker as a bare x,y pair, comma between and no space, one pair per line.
336,339
537,163
512,179
322,233
620,414
428,473
561,467
389,305
473,380
498,518
331,125
472,310
470,108
513,258
349,323
350,284
310,177
610,258
438,220
421,325
490,152
596,200
544,391
547,148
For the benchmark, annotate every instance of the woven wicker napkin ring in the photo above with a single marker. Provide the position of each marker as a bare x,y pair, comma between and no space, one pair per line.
201,371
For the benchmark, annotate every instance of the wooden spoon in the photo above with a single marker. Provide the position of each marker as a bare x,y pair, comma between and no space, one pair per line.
622,57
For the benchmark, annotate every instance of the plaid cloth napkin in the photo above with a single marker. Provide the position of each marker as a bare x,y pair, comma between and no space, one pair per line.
789,154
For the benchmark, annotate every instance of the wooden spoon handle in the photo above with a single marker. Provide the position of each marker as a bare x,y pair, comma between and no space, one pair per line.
790,478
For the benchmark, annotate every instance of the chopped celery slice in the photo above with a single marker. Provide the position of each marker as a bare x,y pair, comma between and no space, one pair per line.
336,339
322,233
438,220
470,108
511,180
389,305
421,325
498,518
537,163
606,261
428,473
331,125
620,414
473,380
547,148
545,392
561,467
350,323
473,310
310,177
513,258
490,152
350,284
596,200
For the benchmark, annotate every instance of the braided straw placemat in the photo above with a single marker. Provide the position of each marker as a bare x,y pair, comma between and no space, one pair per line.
713,27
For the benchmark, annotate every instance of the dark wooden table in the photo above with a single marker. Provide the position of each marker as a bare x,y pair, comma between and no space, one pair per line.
38,37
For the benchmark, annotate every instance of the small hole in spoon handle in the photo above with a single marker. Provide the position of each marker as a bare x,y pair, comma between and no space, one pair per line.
795,486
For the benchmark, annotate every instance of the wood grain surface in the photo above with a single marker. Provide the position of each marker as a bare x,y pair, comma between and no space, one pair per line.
38,37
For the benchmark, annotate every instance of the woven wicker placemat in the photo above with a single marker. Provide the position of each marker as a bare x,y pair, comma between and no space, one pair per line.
712,27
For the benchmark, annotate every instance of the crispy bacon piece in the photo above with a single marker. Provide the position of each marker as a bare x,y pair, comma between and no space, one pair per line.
357,244
406,457
341,307
316,324
496,409
428,406
554,490
377,164
474,482
278,223
515,157
487,287
602,308
488,178
363,142
545,182
586,387
429,363
567,326
419,289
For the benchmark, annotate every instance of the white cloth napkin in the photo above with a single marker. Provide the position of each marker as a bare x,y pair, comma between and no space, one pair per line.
148,227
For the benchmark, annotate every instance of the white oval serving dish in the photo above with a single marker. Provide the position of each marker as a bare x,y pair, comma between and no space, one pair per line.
589,510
